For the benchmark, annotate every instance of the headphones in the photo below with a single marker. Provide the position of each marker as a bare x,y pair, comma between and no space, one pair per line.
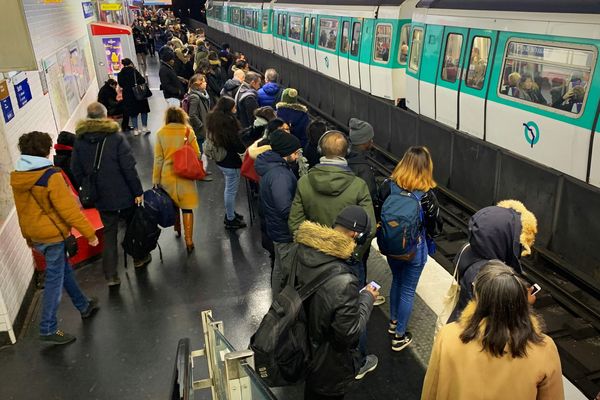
348,141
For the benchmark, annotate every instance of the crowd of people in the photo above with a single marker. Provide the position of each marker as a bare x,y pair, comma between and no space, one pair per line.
320,207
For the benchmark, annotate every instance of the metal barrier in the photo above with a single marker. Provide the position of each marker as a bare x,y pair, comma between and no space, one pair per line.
231,374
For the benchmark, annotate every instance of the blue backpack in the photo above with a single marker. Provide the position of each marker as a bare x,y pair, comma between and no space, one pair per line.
160,207
401,224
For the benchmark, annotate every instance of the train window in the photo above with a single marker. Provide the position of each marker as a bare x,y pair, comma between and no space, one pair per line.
255,20
555,76
345,35
416,46
403,51
235,16
383,41
478,62
295,27
451,64
328,31
248,19
313,29
306,29
265,22
356,30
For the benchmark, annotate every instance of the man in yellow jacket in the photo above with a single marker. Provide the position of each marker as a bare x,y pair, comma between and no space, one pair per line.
47,210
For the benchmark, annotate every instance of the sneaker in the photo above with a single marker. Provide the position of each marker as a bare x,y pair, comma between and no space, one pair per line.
392,327
234,224
379,300
145,130
91,309
59,337
399,343
136,132
143,262
114,281
239,217
369,365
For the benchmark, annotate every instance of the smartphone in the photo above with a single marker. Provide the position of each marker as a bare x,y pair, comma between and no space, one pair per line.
536,289
374,285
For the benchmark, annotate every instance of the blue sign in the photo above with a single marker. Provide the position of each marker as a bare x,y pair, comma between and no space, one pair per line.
7,109
532,133
88,9
23,92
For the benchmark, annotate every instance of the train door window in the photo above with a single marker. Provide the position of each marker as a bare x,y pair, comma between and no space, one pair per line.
295,27
451,64
265,21
248,19
328,31
403,50
345,35
553,76
416,46
383,41
283,25
306,29
256,20
313,29
235,15
356,30
480,50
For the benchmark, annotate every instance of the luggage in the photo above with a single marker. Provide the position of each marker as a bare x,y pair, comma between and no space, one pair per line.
88,192
401,224
281,346
141,236
186,162
160,207
248,170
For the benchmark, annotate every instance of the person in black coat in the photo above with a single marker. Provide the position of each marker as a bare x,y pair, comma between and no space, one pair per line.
62,158
107,95
128,78
117,182
315,130
361,136
141,47
170,84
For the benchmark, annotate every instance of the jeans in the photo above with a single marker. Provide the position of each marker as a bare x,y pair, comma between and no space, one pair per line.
110,255
141,59
405,276
173,102
134,120
280,271
232,183
58,275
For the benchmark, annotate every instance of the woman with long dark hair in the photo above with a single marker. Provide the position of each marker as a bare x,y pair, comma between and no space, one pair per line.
223,130
497,349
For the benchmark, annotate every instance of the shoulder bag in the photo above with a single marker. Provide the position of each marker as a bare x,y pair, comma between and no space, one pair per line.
186,162
140,91
451,298
88,192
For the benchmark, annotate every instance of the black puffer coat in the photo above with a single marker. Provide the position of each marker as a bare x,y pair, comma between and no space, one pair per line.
358,163
128,78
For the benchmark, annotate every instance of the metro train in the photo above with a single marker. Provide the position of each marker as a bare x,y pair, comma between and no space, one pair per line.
522,75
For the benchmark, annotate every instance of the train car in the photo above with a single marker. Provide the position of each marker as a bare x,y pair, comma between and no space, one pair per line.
217,15
523,76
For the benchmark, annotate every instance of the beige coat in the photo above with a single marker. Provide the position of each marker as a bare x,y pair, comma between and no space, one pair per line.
459,371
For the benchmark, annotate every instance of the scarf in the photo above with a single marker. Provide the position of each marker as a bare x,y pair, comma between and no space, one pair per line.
337,161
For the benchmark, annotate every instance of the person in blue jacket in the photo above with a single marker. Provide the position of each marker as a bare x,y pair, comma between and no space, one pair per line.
270,94
277,190
294,114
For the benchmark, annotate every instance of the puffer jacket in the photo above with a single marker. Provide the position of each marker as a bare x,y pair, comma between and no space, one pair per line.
296,116
230,88
170,84
277,189
337,313
118,182
270,94
358,163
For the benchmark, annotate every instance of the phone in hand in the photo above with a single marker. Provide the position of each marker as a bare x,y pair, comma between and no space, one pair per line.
535,289
374,285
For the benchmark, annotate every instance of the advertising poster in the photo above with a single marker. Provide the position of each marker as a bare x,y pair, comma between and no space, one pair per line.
22,90
69,80
86,57
56,91
78,70
114,54
88,9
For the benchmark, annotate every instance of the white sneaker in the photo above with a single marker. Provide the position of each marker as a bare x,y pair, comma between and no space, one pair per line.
370,364
136,132
379,301
145,130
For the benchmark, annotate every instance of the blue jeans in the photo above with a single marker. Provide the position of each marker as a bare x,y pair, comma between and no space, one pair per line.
405,276
134,120
232,183
58,275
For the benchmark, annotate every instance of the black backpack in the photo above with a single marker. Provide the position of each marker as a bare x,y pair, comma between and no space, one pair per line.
88,191
281,346
141,236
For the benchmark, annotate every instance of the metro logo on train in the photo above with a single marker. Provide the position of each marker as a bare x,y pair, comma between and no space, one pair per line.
484,68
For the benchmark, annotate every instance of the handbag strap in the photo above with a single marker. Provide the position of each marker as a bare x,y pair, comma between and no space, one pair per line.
455,275
186,139
45,176
98,157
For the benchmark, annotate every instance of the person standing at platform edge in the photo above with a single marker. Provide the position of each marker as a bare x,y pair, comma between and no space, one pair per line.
128,78
182,191
246,99
223,130
47,211
497,349
117,183
170,84
294,114
199,106
270,94
277,189
338,312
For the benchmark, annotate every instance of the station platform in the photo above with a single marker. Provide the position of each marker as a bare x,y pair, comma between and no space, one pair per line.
127,350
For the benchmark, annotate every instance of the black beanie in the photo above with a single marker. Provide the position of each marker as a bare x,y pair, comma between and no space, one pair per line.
284,143
354,218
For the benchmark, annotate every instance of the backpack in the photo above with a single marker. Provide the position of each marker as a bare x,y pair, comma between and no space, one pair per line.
281,345
160,206
88,191
401,224
141,236
213,151
185,103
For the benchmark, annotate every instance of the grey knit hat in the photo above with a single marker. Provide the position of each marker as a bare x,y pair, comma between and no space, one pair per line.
361,132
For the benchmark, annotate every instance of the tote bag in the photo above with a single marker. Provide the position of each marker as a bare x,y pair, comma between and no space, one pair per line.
451,297
186,163
248,170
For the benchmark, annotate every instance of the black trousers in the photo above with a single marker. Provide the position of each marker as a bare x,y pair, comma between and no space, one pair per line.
310,395
110,255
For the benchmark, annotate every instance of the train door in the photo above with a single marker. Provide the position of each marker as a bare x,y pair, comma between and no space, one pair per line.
306,40
328,39
594,168
354,53
276,24
293,43
312,43
365,54
449,75
413,72
473,90
345,51
284,38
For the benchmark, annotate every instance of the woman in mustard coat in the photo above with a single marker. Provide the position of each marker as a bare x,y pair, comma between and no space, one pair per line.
183,191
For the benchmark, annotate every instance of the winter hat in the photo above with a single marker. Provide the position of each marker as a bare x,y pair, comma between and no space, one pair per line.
66,138
166,54
361,132
284,143
354,218
289,96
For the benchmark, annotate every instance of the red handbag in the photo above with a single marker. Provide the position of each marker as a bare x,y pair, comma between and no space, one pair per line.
186,163
248,170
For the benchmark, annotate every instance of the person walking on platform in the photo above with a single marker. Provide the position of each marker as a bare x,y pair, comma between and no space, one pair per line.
118,185
270,94
496,350
198,107
232,86
277,188
128,78
47,211
295,114
223,130
504,232
170,84
140,41
183,192
246,99
338,312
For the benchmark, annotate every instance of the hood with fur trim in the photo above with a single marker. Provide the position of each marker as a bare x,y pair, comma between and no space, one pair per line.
103,126
326,241
528,224
292,106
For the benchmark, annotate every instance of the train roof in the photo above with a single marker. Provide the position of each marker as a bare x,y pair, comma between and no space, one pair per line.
541,6
344,2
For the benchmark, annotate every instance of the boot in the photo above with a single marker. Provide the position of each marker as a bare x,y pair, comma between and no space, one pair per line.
177,226
188,229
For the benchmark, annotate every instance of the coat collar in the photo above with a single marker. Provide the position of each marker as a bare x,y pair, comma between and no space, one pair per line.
292,106
325,240
104,125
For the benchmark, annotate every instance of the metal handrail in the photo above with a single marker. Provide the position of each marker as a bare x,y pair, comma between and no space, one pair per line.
182,373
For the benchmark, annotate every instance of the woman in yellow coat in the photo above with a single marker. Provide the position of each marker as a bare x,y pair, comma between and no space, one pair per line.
497,349
183,191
